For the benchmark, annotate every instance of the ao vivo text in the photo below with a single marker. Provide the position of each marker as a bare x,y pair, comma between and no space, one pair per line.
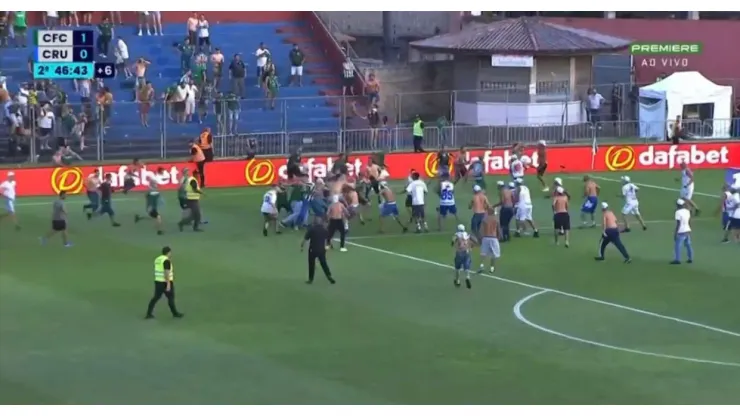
44,181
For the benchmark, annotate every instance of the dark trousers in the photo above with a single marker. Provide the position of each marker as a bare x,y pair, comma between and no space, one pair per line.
195,216
321,256
201,166
612,236
103,45
334,227
507,213
159,290
417,144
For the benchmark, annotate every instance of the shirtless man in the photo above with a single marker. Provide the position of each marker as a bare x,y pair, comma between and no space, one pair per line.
462,245
489,243
542,164
92,183
373,175
388,207
460,165
338,216
561,217
506,209
590,201
480,206
352,199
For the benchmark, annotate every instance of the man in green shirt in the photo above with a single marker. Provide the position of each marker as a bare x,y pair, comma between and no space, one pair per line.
186,55
153,200
296,58
233,109
282,201
19,27
296,198
105,35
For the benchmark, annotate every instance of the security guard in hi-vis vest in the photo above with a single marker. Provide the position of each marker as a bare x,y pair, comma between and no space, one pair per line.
164,283
193,193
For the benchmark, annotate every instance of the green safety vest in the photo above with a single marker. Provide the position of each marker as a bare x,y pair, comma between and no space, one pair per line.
418,131
159,269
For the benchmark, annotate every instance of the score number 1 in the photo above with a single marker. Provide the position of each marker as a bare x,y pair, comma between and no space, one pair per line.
105,70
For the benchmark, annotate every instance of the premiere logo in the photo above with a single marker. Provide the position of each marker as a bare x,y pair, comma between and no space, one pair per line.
69,180
260,172
620,158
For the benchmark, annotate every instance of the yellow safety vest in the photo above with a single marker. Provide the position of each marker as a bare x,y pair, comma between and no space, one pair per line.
159,269
189,193
418,130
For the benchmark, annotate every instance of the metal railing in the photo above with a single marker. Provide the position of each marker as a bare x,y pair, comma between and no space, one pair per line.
29,146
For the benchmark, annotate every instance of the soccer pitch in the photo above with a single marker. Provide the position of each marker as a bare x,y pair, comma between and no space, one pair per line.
552,326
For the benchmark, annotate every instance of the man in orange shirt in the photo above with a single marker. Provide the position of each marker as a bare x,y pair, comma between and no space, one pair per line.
198,157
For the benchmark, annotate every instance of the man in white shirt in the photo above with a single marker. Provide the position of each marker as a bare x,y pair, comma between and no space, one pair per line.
7,192
524,209
595,100
418,190
121,54
261,53
46,126
631,203
682,234
733,209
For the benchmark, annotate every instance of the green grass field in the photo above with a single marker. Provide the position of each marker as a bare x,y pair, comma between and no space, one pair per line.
552,327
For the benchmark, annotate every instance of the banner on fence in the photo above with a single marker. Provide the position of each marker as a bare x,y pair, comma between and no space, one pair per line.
265,171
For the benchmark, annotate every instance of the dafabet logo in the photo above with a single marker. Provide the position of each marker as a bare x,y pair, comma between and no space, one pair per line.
69,180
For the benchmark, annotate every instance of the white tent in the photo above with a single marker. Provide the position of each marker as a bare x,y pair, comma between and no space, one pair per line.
692,88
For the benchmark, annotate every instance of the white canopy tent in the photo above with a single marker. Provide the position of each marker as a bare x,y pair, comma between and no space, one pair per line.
692,88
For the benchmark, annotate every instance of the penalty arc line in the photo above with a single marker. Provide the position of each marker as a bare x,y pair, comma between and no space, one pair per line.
517,309
559,292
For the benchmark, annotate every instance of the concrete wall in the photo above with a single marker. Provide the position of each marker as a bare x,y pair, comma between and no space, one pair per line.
411,89
407,24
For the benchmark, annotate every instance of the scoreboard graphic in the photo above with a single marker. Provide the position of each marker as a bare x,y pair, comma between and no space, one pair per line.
68,54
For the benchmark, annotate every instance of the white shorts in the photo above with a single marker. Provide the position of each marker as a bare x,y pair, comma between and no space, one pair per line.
489,247
524,213
687,192
267,209
189,106
296,70
10,206
631,208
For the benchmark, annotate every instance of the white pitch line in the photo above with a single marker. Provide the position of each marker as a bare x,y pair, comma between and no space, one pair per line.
520,316
413,234
560,292
81,200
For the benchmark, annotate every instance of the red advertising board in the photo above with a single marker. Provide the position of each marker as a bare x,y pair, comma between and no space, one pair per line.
263,171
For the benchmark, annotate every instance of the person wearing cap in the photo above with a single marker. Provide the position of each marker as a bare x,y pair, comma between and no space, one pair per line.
479,204
7,191
561,217
631,203
559,182
682,234
418,191
462,244
506,209
524,209
610,234
478,172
